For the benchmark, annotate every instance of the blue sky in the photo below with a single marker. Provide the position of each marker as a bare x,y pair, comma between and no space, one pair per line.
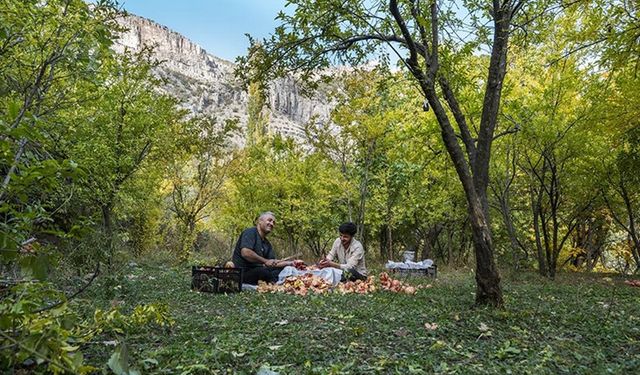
216,25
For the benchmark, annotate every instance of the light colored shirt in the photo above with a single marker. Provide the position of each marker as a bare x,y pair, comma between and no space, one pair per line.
351,258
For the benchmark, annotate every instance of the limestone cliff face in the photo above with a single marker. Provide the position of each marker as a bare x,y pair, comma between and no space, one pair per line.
206,84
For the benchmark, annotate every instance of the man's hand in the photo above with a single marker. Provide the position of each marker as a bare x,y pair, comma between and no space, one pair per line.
285,263
271,263
324,263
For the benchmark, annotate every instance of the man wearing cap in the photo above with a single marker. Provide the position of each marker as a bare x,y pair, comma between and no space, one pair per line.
349,254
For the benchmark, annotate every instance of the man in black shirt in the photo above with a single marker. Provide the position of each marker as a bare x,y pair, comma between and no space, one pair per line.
253,252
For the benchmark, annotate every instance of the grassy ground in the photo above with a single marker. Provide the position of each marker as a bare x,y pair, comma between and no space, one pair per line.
579,324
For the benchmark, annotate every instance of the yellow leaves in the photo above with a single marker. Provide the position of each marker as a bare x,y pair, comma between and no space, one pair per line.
438,345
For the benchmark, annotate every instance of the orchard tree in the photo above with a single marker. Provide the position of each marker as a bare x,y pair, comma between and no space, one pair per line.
128,124
424,36
46,48
198,173
302,190
620,113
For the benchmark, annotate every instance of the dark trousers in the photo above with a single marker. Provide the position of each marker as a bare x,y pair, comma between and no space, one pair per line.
352,275
255,274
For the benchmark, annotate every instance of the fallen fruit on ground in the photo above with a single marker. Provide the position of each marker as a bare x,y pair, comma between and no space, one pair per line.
309,283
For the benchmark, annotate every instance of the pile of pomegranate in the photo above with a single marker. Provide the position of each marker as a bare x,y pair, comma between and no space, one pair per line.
308,283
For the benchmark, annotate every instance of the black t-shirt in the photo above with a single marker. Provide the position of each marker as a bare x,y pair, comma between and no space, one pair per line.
250,238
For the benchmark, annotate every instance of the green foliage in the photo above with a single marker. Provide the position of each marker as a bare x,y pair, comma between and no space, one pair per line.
608,29
81,134
275,175
619,114
197,175
39,332
389,154
47,49
547,327
257,123
549,107
97,165
49,339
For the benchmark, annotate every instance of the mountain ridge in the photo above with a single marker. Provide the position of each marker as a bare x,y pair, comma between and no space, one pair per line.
206,84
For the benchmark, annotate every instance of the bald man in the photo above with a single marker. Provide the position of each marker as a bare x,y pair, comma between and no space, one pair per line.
254,253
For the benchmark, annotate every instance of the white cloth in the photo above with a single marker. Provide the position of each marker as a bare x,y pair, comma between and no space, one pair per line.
332,275
410,265
249,287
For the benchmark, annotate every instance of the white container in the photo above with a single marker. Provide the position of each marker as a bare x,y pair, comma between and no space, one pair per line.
409,256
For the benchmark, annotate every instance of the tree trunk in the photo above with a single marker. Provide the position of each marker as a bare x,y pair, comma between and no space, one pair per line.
516,246
450,235
107,225
488,289
383,242
389,242
535,207
474,175
635,249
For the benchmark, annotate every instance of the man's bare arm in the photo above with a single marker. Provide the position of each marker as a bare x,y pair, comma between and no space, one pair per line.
251,256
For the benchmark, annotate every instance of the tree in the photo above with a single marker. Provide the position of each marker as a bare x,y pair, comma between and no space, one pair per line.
46,49
128,123
363,127
198,175
321,32
387,148
548,105
302,190
620,114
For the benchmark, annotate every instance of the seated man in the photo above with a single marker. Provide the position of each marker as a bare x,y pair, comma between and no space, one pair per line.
349,253
253,252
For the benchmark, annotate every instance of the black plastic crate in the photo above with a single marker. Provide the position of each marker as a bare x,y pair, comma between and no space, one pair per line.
216,279
431,271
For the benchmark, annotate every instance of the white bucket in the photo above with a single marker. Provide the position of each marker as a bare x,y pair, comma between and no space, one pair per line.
409,256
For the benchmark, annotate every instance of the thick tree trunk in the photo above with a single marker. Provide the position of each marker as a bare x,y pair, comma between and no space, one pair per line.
491,104
488,289
474,175
488,280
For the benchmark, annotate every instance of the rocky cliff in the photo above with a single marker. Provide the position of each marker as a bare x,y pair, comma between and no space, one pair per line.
206,84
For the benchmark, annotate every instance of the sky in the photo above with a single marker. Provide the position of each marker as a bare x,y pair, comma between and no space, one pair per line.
219,26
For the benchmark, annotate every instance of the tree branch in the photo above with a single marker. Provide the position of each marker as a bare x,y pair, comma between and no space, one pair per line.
96,272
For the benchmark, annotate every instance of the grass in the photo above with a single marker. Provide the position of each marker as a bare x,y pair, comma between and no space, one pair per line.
578,324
